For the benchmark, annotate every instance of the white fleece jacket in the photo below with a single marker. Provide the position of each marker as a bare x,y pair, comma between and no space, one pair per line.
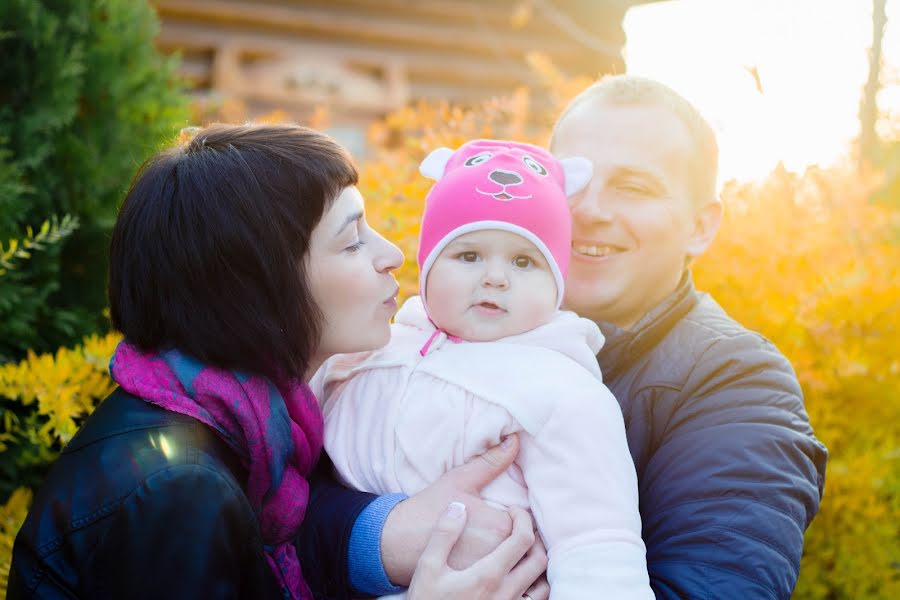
395,421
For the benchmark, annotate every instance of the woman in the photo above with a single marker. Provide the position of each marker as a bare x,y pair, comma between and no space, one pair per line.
240,261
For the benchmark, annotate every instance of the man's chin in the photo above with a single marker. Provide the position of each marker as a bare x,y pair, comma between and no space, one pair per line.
594,301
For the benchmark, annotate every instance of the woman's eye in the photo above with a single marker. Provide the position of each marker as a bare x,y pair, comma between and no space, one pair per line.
534,165
523,262
469,256
481,157
355,247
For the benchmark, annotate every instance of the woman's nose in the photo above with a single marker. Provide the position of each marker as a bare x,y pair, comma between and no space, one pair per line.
388,257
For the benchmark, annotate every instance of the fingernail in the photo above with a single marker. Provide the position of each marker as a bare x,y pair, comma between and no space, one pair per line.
456,510
507,442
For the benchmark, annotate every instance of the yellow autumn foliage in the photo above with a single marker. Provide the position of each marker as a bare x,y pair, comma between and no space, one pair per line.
64,387
807,260
51,231
12,514
814,265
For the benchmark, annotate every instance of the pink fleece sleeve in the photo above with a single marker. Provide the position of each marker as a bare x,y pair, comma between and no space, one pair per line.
582,489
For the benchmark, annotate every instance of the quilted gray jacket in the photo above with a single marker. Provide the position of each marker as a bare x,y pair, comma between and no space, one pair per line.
729,470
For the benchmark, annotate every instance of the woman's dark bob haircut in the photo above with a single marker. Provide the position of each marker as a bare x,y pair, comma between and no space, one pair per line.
207,255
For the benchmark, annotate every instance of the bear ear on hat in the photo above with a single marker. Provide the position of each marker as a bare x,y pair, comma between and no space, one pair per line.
578,172
434,164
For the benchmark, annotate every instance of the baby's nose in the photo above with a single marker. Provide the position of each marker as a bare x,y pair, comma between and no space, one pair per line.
505,177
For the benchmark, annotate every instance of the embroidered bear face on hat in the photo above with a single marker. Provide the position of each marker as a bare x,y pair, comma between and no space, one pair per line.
496,184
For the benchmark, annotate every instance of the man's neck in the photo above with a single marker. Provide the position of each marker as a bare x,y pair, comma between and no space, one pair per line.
634,321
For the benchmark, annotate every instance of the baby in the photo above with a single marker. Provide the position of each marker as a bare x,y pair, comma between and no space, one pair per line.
484,352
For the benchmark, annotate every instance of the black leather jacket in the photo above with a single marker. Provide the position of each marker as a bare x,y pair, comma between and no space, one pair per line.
142,503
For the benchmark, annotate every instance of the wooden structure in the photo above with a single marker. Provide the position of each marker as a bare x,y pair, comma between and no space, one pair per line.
363,58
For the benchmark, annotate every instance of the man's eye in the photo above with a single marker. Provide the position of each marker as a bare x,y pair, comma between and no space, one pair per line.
469,256
635,189
523,262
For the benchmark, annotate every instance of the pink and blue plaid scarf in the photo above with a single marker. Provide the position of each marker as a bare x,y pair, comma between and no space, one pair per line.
275,428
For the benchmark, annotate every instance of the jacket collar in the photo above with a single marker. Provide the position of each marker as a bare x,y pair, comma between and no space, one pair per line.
121,413
625,346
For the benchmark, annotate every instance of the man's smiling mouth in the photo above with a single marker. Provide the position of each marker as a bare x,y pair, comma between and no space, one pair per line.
598,251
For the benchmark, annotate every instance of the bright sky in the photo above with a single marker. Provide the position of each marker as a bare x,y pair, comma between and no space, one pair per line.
811,56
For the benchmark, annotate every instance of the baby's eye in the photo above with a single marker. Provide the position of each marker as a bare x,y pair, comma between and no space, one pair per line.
534,165
469,256
481,157
523,262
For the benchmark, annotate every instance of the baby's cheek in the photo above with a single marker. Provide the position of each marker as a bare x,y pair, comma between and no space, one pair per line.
532,315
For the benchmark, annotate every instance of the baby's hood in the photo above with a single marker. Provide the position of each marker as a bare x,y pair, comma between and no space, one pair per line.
413,314
576,337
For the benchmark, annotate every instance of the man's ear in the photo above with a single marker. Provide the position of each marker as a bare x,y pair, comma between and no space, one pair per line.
707,220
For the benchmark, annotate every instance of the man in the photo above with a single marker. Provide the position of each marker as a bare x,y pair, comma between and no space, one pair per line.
730,473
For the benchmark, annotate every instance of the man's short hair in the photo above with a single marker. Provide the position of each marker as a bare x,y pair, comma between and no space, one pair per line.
628,90
208,252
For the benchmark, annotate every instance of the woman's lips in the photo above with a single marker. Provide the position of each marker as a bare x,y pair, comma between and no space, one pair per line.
391,302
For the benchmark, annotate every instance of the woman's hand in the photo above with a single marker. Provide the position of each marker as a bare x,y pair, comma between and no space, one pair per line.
507,573
409,526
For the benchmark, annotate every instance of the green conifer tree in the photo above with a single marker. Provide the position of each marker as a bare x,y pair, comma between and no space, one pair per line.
85,97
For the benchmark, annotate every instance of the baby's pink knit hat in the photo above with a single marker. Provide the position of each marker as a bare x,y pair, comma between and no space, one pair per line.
497,184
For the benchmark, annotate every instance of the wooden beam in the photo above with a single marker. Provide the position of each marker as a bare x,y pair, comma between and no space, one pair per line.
374,106
195,70
429,65
495,12
467,95
354,25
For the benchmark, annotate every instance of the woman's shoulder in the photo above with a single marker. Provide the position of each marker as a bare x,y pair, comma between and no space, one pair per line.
131,461
120,414
135,430
125,447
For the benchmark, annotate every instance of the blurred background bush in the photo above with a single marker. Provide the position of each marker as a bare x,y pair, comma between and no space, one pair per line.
84,98
810,259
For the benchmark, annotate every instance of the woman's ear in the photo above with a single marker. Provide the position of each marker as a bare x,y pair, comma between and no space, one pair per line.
434,164
578,172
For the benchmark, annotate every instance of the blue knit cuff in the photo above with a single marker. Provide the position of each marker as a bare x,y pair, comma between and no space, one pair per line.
367,574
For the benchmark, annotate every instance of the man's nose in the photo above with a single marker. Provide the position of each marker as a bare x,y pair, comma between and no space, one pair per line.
590,206
505,177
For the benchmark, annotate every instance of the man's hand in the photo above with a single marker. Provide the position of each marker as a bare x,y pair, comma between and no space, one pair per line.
409,526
